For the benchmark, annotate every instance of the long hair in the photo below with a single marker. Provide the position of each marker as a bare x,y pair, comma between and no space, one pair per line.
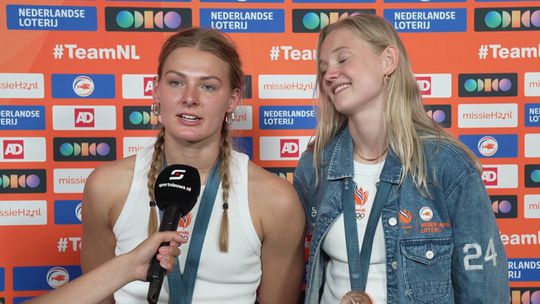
216,43
407,124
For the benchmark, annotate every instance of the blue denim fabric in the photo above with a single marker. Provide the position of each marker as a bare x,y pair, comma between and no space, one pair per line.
456,256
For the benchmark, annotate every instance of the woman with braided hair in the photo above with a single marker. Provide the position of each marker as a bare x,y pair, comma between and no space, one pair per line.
252,239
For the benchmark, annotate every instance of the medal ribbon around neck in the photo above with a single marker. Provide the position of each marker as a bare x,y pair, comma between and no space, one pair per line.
359,263
181,285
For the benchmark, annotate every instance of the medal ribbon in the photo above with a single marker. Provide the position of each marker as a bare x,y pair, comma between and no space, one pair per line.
181,286
359,263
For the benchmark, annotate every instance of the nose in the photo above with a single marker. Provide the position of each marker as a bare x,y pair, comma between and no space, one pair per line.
189,96
331,74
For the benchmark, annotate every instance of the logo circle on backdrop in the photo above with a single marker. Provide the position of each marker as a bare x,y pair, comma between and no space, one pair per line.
83,86
488,146
57,277
78,211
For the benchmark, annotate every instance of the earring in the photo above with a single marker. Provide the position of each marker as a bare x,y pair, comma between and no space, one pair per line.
156,108
229,118
386,77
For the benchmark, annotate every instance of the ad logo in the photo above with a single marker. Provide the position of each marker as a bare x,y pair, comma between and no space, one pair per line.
492,85
139,118
137,86
500,176
504,206
74,118
312,21
129,19
13,149
22,181
83,86
490,176
434,85
23,149
506,19
532,176
84,118
441,114
289,148
282,148
84,149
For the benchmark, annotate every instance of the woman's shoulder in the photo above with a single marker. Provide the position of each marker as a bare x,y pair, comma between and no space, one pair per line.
270,188
110,180
444,153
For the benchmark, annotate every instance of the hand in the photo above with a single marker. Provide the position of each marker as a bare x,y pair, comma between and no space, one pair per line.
167,255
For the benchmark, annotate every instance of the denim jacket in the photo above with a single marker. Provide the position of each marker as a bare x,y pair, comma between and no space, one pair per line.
444,248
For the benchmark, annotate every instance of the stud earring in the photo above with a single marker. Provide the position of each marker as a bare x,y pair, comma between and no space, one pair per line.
156,108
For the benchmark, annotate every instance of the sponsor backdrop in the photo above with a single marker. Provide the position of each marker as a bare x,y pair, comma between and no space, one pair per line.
75,91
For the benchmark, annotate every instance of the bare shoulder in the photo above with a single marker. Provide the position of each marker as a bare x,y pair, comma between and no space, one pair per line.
271,190
108,185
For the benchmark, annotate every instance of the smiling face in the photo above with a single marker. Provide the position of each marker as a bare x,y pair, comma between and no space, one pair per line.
194,91
351,72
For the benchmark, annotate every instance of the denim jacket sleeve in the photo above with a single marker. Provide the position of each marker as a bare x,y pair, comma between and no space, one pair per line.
304,183
479,264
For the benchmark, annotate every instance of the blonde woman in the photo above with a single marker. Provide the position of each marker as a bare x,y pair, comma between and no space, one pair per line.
396,207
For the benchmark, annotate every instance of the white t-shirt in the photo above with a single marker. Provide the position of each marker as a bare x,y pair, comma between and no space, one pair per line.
337,282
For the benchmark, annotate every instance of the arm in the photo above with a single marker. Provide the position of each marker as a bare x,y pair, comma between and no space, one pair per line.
92,287
282,223
479,264
104,194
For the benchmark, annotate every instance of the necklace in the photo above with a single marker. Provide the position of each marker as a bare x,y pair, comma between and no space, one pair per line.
374,158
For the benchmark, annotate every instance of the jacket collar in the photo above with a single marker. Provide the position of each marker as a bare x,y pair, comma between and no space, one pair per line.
341,163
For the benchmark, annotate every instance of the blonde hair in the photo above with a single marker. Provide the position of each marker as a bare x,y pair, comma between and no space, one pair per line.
216,43
407,124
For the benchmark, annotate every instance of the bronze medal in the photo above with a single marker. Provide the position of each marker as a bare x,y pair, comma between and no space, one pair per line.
356,297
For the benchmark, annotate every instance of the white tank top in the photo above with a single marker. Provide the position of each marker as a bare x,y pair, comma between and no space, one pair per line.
337,270
231,277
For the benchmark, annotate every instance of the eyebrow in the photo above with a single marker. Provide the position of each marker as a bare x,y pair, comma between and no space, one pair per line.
186,76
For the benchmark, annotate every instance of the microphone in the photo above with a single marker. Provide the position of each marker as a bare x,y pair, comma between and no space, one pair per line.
176,190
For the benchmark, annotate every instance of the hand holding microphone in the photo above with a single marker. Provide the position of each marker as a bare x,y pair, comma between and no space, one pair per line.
176,190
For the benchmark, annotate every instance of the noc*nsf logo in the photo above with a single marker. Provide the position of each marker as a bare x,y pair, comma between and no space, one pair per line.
57,276
488,146
83,86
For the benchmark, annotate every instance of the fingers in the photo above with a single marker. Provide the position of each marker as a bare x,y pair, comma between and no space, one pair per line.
168,256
